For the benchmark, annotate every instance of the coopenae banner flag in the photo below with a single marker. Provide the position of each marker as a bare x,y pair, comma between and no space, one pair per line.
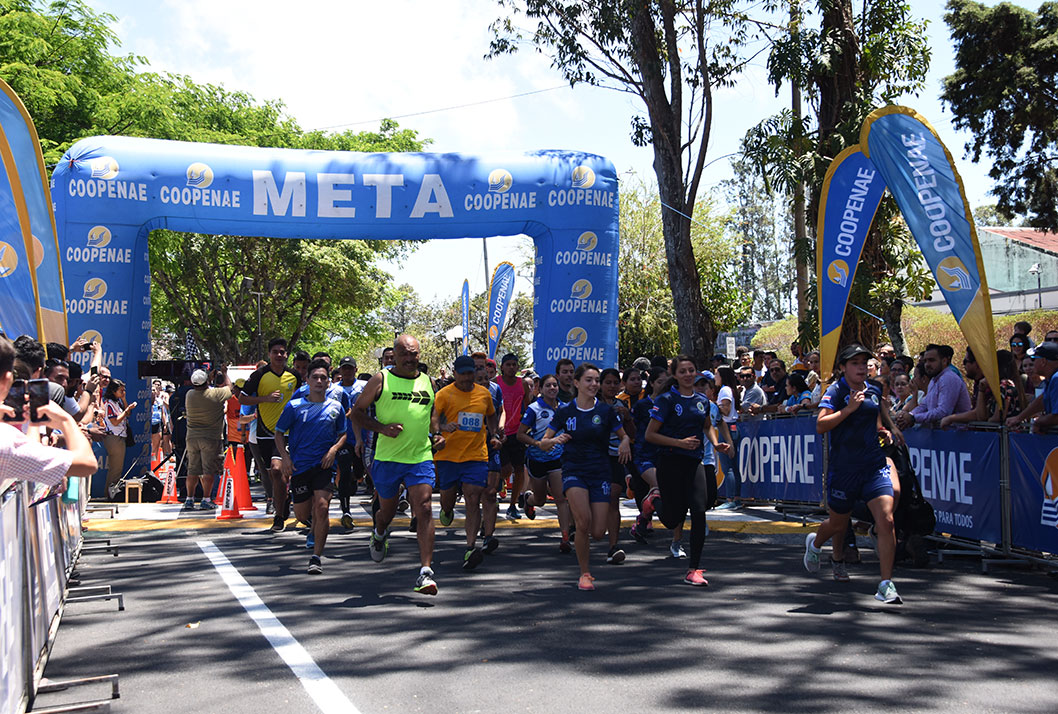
921,175
852,192
499,300
466,316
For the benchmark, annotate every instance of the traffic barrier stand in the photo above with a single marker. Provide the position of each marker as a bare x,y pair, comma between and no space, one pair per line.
229,509
242,480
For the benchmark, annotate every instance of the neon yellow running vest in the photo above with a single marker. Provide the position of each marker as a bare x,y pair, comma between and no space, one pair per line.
407,402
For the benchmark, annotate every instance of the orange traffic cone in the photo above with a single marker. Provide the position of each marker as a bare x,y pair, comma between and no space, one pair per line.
169,491
156,460
229,509
242,481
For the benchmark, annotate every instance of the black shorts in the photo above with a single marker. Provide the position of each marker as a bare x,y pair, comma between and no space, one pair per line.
617,472
512,453
156,428
267,447
540,469
303,484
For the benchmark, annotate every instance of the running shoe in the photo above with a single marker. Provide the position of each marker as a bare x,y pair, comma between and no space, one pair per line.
446,517
696,578
425,584
638,532
189,504
512,513
310,540
402,505
616,556
676,548
208,505
887,593
648,503
413,524
315,566
564,546
490,544
811,554
730,506
522,498
472,558
347,521
530,511
270,507
586,582
378,546
841,573
279,523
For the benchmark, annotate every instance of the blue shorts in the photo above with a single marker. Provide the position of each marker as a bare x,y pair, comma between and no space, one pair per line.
845,488
450,473
643,464
494,461
389,475
598,489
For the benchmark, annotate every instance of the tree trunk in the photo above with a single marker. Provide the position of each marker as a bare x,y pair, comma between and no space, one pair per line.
800,230
893,314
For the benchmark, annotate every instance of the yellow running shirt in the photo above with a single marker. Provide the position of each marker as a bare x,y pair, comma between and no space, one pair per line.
469,411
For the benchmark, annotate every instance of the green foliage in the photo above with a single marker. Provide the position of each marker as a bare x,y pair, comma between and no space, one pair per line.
646,314
990,215
1003,91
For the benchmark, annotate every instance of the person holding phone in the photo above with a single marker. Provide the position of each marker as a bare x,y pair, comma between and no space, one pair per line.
24,458
115,415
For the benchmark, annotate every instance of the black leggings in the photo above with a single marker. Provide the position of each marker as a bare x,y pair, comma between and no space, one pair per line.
684,485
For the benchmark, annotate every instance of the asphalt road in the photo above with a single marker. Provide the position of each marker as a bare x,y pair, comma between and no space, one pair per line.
516,635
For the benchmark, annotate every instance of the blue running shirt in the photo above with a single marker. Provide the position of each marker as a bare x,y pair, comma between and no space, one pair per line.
311,428
854,444
681,417
585,455
537,417
641,416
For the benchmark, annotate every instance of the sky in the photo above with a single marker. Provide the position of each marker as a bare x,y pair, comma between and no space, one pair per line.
346,65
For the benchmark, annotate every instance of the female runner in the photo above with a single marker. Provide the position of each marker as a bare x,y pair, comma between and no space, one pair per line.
644,454
611,387
545,467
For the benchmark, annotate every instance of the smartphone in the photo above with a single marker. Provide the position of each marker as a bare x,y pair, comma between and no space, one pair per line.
16,399
38,397
95,370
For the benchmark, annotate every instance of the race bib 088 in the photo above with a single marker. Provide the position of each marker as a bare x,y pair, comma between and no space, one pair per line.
470,421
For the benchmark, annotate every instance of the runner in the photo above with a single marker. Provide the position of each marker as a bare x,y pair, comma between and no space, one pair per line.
403,401
545,467
583,428
516,397
470,421
489,504
632,387
611,386
644,473
850,410
679,418
269,388
308,435
351,456
564,370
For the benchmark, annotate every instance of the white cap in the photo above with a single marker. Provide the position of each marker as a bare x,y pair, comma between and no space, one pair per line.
199,377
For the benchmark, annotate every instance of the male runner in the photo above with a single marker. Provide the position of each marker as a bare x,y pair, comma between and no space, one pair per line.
564,370
351,455
270,388
308,435
516,397
470,421
403,401
489,504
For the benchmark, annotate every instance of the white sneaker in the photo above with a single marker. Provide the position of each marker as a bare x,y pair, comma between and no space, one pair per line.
677,550
887,593
811,554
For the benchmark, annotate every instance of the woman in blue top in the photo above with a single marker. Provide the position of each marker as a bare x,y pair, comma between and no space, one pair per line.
583,428
799,396
851,411
608,391
545,467
677,422
644,454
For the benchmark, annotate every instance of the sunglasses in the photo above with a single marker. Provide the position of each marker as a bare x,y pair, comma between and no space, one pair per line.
1017,344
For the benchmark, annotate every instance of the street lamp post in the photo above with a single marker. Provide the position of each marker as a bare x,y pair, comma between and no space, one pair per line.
247,283
1035,270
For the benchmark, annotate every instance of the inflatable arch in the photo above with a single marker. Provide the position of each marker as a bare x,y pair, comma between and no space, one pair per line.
110,192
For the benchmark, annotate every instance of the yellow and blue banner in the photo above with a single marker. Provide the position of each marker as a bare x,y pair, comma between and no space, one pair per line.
852,192
466,316
500,293
920,173
31,289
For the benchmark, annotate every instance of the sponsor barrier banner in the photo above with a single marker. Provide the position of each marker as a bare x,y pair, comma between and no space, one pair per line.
466,316
852,191
780,460
13,675
1034,491
500,292
959,475
31,289
920,173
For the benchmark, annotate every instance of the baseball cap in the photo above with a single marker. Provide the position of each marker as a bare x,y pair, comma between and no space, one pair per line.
347,361
463,364
1046,350
199,377
240,382
509,357
851,351
704,375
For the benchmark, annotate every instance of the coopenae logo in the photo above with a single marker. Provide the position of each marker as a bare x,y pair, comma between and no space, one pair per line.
8,260
92,336
576,337
99,237
838,273
500,181
493,332
199,175
953,275
38,251
95,289
583,177
587,241
103,167
1049,480
581,289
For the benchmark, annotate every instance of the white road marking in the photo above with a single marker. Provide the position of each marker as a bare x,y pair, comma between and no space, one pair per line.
328,697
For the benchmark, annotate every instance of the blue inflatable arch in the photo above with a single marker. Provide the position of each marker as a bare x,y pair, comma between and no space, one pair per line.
110,192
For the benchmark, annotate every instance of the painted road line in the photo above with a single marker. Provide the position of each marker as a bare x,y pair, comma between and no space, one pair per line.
328,697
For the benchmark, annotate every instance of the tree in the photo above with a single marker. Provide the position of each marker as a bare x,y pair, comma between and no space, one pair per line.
646,311
672,56
990,215
1003,91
